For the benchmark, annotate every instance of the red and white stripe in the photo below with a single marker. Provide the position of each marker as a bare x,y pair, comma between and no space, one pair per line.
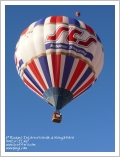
31,86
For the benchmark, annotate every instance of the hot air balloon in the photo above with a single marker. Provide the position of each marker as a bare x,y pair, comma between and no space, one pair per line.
59,58
77,13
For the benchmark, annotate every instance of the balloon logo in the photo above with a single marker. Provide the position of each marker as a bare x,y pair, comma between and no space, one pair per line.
59,58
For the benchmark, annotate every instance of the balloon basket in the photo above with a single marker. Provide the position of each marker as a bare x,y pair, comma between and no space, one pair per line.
56,117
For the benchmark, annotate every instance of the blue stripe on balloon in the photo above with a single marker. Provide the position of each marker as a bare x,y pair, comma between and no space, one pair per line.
67,69
39,22
84,77
27,73
76,49
44,65
74,22
20,63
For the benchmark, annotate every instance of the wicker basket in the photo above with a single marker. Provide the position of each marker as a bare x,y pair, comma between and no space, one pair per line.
56,117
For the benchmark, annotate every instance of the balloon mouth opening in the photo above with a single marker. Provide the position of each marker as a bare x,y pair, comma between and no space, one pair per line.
58,97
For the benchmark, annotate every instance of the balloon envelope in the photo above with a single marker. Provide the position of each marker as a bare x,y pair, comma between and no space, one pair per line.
59,58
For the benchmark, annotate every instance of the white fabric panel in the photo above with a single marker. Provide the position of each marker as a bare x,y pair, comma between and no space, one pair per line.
63,57
24,51
47,20
97,55
21,51
72,71
29,46
30,28
26,48
49,60
49,29
99,65
65,19
38,39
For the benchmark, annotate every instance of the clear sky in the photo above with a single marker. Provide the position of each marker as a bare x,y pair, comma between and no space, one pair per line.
90,119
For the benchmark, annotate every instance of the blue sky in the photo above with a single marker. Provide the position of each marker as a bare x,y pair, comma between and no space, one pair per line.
90,119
